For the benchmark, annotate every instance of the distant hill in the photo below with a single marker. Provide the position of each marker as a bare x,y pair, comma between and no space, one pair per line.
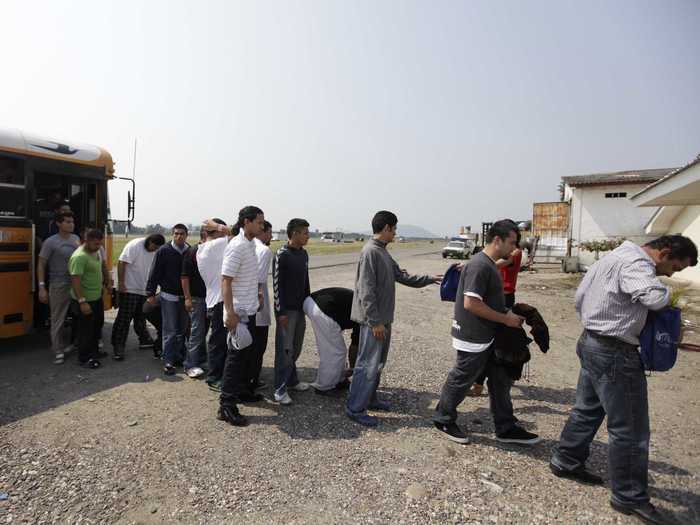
410,230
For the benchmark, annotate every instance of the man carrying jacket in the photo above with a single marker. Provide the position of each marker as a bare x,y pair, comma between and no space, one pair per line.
373,308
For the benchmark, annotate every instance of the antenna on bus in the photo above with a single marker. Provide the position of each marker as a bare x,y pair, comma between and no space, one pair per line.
131,198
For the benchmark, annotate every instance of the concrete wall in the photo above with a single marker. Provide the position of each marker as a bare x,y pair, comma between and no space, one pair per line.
594,217
688,223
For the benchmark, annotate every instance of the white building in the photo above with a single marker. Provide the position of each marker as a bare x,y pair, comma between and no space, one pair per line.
600,208
674,202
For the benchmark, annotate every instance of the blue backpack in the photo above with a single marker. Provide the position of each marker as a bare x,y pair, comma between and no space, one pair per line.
658,342
450,283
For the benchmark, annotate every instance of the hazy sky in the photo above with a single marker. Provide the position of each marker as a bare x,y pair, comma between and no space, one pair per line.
447,113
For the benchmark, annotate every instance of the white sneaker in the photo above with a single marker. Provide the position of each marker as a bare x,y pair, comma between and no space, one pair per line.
283,400
194,372
300,387
100,344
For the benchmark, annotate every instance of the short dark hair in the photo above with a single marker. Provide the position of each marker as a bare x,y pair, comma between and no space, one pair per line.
383,218
296,225
180,226
94,234
501,229
61,216
267,226
248,213
681,247
154,238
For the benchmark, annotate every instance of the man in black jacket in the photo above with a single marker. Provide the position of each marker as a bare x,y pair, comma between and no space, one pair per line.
165,273
290,281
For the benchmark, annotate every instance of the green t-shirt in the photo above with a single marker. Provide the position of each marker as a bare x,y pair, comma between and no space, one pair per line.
89,267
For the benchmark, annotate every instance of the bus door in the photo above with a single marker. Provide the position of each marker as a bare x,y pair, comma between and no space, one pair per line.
16,249
51,191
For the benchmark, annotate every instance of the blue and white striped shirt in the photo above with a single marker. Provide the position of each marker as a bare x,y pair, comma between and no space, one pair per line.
618,291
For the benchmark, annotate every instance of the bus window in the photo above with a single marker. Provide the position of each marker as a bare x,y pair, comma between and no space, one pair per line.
12,190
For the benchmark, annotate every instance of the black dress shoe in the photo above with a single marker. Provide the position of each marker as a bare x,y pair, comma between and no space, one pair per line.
647,513
250,398
580,474
232,416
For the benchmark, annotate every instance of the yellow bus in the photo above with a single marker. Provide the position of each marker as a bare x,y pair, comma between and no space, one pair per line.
37,176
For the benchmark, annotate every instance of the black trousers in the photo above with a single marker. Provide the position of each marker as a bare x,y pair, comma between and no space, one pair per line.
217,343
88,328
260,336
237,370
131,309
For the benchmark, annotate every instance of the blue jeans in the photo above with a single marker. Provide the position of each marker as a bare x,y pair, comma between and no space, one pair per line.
174,326
611,382
217,343
371,358
288,344
196,345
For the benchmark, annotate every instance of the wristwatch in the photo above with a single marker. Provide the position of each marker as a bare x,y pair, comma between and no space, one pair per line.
82,300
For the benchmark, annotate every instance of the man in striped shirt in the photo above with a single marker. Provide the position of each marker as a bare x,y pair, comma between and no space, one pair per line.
612,303
239,288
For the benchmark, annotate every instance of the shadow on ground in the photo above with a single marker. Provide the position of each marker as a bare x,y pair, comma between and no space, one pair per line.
30,383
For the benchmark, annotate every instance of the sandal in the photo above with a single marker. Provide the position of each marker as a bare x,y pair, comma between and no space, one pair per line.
59,359
91,363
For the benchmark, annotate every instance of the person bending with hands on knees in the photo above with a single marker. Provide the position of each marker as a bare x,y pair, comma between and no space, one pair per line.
479,310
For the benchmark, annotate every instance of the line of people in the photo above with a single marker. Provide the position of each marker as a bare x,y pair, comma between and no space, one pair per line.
220,286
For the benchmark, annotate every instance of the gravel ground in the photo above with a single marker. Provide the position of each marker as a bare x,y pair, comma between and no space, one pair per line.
124,444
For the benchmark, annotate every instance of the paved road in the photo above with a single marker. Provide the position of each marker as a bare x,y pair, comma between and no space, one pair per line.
341,259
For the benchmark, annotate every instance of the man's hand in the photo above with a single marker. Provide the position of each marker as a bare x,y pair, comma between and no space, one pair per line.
283,321
261,301
379,332
85,309
513,320
152,300
188,305
109,284
122,287
43,295
231,320
437,279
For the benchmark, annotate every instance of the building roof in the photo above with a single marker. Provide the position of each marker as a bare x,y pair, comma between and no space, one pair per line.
680,187
618,177
673,173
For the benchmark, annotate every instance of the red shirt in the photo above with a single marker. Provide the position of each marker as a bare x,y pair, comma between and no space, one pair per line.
509,274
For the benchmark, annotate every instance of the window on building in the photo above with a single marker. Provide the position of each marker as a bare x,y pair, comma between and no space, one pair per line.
618,195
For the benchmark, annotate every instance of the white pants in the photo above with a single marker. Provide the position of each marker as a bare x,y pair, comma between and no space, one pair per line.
330,345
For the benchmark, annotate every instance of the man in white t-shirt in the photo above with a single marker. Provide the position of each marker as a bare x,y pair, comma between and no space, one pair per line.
132,272
239,289
210,256
263,318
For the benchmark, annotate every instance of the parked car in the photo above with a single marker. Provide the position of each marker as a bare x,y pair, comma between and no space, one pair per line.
459,249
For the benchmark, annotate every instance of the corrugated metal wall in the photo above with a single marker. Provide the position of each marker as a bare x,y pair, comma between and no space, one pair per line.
550,222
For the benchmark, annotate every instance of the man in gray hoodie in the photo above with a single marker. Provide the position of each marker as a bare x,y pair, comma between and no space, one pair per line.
373,308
